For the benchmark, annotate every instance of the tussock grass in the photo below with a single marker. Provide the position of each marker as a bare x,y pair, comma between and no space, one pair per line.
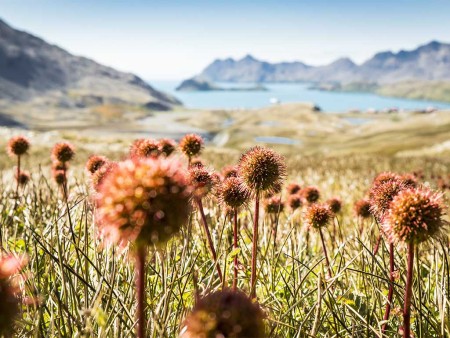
85,288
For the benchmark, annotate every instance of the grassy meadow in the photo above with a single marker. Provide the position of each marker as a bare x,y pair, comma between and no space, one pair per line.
80,286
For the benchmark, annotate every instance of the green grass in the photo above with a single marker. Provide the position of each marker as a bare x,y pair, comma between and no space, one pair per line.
86,288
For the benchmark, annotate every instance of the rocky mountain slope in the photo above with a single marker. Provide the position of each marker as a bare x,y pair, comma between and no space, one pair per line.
42,84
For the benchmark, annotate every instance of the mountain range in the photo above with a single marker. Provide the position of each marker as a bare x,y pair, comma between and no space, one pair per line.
429,62
38,79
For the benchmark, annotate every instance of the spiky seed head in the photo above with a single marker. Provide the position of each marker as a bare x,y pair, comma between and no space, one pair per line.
335,205
273,205
317,215
143,148
230,171
293,188
98,176
384,177
277,189
362,208
10,267
295,201
63,152
57,165
59,176
310,194
22,178
381,196
415,216
95,162
409,181
197,164
143,201
201,180
18,146
167,146
233,193
262,169
191,145
224,313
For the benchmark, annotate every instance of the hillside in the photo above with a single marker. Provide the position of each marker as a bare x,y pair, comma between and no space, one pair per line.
38,79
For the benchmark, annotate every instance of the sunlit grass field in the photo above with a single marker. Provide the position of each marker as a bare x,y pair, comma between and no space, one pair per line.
81,286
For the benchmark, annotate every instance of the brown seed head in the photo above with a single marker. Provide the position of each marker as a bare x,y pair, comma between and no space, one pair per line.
98,177
310,194
63,152
144,201
201,180
167,146
59,176
232,193
317,215
381,196
273,205
335,205
262,169
197,164
18,146
10,267
415,216
143,148
295,201
23,178
95,162
362,208
293,188
224,313
230,171
191,145
384,177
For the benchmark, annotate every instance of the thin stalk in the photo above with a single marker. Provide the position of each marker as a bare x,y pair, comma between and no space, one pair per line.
325,253
391,288
377,245
235,246
140,289
17,178
208,237
254,248
408,293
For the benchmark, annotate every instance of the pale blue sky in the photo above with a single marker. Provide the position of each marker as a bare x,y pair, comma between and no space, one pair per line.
176,39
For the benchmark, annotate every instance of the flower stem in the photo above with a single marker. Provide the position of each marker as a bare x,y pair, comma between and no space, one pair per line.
325,253
377,245
235,246
140,289
18,176
391,288
408,293
255,247
208,237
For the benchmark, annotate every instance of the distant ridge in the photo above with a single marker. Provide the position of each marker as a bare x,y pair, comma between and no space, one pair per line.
429,62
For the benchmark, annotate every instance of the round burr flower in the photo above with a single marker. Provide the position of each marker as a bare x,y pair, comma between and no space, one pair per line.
167,146
98,176
273,205
10,266
232,193
63,152
23,177
197,163
18,146
293,188
409,180
295,201
142,148
230,171
262,169
362,208
56,165
335,205
224,313
191,145
317,215
310,194
384,177
381,196
95,162
59,176
201,180
415,215
143,201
